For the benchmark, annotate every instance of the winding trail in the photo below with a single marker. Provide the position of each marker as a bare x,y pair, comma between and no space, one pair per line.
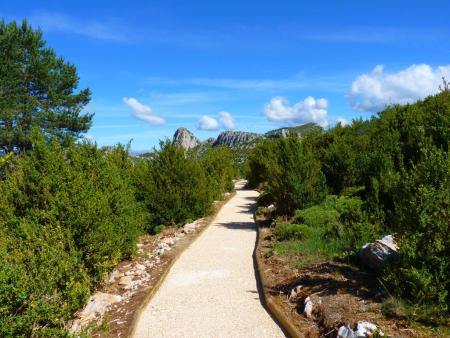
211,290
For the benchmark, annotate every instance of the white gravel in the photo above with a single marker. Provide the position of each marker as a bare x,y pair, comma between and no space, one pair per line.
211,290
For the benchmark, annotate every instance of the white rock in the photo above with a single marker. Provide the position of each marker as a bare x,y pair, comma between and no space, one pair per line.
308,307
169,241
389,242
271,206
345,332
374,255
365,329
139,267
125,281
113,275
295,291
96,306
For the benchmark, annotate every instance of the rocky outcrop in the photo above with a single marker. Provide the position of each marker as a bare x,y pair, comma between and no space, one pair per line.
236,139
375,255
184,138
299,130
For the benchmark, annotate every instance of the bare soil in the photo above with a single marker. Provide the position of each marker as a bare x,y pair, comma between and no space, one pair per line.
341,293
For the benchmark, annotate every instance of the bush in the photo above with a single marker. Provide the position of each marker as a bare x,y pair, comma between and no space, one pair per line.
218,165
265,199
317,216
287,231
423,222
175,186
294,178
68,215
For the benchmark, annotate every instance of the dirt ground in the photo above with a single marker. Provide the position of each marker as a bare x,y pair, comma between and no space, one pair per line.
342,294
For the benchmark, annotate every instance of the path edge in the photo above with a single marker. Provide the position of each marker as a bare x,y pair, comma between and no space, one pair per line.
163,276
272,307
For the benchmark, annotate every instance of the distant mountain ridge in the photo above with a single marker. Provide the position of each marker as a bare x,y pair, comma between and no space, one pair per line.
238,140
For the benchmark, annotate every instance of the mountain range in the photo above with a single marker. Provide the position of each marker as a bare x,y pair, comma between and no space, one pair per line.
237,140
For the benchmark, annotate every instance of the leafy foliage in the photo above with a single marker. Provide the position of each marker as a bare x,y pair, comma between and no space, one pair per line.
389,174
68,215
173,177
37,90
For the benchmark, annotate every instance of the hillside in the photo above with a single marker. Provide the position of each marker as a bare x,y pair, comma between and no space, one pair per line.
238,140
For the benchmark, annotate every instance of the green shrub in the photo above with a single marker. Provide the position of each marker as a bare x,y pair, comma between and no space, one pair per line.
295,180
317,216
265,199
287,231
218,165
173,186
423,223
68,215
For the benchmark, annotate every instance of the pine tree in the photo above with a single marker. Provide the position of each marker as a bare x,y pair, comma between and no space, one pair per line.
37,90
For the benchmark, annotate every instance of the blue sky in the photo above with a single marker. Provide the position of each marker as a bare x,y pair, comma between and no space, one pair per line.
154,66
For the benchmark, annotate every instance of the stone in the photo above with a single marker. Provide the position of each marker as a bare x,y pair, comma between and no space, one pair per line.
375,255
113,275
308,307
125,280
294,292
169,241
96,307
366,329
345,332
139,267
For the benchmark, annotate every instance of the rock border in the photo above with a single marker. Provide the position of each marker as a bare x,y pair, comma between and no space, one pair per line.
275,311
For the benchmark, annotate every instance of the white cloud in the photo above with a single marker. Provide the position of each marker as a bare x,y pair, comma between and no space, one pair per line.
143,112
226,120
308,110
342,121
208,123
373,92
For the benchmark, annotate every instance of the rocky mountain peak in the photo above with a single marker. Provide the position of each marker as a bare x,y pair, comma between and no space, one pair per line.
184,138
233,139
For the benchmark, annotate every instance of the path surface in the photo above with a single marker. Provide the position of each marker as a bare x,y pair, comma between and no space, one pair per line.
211,290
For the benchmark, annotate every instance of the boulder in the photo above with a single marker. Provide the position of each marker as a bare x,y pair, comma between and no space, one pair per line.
375,255
364,329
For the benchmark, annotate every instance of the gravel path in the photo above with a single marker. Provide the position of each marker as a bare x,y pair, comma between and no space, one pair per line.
211,289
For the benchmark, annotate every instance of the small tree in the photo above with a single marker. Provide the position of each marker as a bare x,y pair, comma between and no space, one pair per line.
295,180
37,90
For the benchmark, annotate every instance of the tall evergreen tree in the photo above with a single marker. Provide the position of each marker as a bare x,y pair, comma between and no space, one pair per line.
37,90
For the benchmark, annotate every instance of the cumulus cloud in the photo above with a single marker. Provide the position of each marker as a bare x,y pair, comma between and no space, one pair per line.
226,120
373,92
208,123
143,112
308,110
342,121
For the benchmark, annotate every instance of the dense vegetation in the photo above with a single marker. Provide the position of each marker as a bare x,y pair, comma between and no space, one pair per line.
389,174
173,177
69,210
